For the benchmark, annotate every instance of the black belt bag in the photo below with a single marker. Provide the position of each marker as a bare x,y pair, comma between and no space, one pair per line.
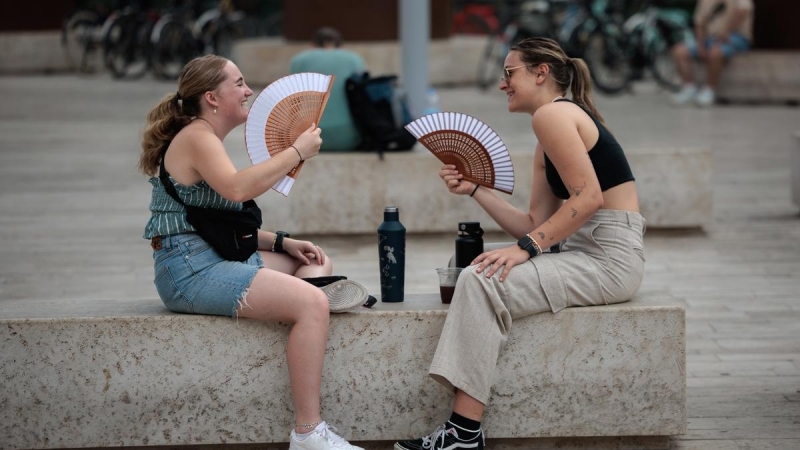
233,234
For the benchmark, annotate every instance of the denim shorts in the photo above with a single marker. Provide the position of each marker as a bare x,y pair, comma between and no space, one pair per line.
736,44
191,277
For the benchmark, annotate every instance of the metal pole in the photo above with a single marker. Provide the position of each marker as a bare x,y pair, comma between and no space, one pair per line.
415,35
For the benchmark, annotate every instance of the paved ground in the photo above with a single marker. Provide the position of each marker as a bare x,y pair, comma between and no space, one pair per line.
73,208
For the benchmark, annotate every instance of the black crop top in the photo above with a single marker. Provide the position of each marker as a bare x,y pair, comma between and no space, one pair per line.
609,162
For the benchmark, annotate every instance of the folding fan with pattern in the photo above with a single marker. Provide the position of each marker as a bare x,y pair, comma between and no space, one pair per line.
280,113
476,150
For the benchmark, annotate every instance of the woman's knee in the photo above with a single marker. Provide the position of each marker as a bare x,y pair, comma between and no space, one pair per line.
715,53
681,52
317,306
470,281
328,265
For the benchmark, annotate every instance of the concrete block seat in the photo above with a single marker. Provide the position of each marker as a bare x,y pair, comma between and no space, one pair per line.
139,375
762,76
345,193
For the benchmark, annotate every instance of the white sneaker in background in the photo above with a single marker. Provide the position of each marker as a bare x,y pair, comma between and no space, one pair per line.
705,97
323,437
685,95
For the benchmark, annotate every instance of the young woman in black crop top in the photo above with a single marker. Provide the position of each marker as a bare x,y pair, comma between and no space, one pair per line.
583,197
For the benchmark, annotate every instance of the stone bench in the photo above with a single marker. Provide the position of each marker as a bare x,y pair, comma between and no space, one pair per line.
138,375
345,193
762,76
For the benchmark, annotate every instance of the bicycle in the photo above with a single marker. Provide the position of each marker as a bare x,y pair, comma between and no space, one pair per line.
127,43
518,21
583,28
217,29
652,32
594,33
82,36
173,42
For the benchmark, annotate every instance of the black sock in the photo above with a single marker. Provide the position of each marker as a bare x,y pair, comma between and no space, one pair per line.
467,428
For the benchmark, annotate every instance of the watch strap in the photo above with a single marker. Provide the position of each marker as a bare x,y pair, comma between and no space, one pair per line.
528,244
277,246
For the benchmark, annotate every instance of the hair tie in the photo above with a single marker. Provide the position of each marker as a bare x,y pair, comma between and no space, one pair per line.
177,95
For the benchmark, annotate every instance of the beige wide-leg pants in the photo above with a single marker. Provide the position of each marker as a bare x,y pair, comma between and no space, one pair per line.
602,263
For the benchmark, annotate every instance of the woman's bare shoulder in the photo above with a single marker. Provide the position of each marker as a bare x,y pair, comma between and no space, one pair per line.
195,137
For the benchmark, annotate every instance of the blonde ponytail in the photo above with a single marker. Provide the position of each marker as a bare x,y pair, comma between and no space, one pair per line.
175,111
163,123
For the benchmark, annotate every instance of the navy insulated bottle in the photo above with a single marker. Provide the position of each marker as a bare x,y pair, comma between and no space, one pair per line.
392,254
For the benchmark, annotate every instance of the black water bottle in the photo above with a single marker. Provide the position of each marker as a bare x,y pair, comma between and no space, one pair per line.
392,253
469,243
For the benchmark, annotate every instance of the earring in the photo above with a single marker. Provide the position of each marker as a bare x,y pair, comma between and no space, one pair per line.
215,110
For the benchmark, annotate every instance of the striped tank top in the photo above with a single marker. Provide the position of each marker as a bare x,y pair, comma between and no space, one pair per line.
169,217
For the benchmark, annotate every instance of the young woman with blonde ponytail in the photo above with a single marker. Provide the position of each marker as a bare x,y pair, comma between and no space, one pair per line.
186,129
583,197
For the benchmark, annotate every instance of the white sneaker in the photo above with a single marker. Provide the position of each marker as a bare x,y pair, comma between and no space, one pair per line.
685,95
323,437
705,97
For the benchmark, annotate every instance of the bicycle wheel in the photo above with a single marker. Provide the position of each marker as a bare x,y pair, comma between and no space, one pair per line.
491,61
231,29
494,54
664,70
606,56
127,47
77,39
173,46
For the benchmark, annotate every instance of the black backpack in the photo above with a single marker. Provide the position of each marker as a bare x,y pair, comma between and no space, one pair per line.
379,112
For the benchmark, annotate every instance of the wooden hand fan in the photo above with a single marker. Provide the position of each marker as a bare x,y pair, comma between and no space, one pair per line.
280,113
476,150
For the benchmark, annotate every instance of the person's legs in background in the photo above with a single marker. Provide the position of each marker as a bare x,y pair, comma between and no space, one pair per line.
683,54
718,54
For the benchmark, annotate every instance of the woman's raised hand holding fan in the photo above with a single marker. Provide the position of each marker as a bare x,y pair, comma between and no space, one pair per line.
307,144
281,113
472,146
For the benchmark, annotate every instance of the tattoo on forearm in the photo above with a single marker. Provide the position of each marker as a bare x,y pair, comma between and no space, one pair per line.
578,189
574,212
541,235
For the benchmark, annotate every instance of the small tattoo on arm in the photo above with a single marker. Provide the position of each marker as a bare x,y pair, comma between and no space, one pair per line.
578,189
541,235
574,212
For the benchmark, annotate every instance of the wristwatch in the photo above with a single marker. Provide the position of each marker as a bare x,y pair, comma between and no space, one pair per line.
277,246
529,245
